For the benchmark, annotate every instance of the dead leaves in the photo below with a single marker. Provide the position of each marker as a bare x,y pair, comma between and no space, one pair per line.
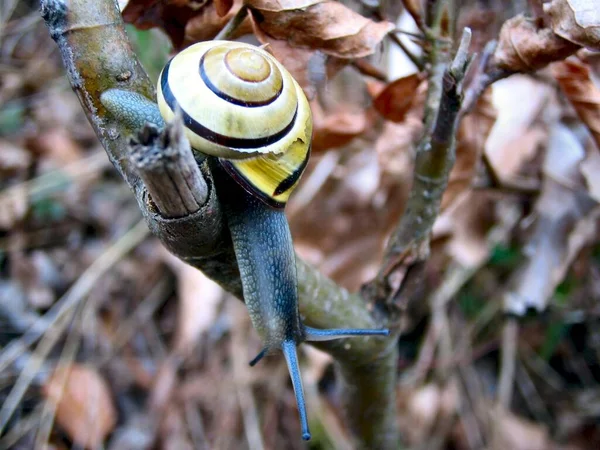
324,25
184,21
525,47
396,98
577,21
83,402
336,129
574,78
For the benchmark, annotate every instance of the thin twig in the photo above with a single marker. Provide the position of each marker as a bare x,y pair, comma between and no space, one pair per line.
196,426
244,389
142,314
510,334
67,356
531,395
21,428
418,62
228,30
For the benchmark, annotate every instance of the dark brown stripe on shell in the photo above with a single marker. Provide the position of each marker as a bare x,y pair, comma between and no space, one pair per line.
212,136
248,186
229,98
294,176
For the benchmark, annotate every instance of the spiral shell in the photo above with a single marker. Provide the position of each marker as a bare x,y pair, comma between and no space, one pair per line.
241,105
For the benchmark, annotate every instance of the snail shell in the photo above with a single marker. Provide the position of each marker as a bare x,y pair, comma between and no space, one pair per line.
242,106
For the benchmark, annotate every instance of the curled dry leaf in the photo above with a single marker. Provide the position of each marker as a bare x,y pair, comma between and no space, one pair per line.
577,21
184,21
396,99
83,402
320,24
146,14
525,47
574,79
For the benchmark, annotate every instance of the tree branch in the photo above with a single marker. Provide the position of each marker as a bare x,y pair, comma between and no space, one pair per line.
167,167
408,247
98,57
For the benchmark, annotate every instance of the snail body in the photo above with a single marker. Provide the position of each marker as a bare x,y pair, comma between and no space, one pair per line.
243,109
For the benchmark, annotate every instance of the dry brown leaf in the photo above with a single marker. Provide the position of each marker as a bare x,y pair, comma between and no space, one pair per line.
396,99
471,137
172,18
57,144
184,21
592,59
336,129
574,79
83,402
304,64
205,25
223,7
577,21
524,47
323,25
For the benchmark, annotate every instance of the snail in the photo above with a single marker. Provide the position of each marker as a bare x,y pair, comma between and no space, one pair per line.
244,110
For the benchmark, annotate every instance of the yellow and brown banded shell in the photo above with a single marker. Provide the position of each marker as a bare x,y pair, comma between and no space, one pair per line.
241,105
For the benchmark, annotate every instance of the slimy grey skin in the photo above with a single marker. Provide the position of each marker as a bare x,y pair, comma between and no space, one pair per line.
255,215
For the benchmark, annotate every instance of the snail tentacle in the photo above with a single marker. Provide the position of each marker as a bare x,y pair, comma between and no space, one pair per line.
258,357
291,358
319,335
